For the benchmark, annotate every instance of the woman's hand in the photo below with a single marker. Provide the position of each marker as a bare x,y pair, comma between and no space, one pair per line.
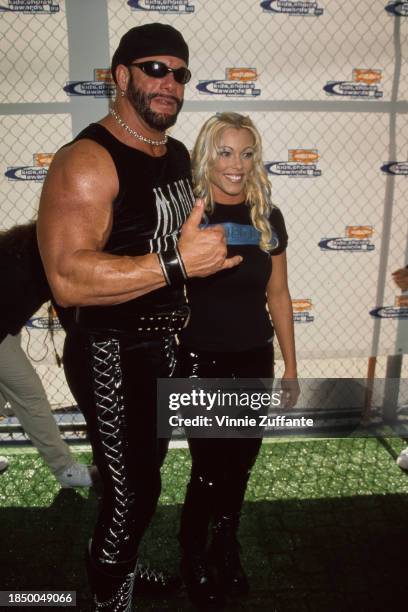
290,389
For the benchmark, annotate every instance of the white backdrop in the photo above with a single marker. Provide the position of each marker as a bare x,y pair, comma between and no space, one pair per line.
326,83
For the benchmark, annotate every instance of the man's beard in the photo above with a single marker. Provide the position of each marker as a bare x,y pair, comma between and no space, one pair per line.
141,103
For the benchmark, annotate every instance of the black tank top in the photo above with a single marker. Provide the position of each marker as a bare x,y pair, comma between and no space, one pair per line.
155,198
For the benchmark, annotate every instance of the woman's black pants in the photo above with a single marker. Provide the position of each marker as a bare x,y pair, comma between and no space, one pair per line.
220,467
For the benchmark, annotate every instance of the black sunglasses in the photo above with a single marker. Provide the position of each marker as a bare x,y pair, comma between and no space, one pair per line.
158,70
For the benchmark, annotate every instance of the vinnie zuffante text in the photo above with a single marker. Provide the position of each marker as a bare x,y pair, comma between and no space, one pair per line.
247,404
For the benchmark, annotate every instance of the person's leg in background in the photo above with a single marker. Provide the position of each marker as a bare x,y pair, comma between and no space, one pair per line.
4,463
21,387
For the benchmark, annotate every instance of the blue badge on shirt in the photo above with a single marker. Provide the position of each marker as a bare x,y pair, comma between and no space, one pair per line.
237,234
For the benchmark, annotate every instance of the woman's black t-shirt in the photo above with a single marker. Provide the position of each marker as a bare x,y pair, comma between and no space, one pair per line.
228,309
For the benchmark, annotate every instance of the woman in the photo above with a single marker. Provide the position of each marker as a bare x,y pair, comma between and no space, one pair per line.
230,335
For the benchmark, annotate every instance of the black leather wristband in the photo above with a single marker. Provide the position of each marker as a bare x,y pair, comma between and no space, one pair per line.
181,263
172,267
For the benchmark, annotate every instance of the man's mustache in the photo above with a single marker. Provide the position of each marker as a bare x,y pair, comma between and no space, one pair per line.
168,96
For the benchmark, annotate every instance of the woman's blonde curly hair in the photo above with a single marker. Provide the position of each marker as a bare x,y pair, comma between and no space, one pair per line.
257,186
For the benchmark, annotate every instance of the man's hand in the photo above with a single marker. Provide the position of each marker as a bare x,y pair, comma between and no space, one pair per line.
204,251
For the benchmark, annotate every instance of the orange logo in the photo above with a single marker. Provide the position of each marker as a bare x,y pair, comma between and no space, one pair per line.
301,305
401,301
359,231
103,75
241,74
43,159
304,156
366,75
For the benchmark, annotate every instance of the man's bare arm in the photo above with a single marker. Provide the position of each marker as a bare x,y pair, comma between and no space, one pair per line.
74,223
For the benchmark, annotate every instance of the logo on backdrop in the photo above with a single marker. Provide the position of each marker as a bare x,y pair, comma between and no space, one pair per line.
399,9
30,6
301,163
365,84
395,168
102,85
356,239
36,172
399,311
162,6
299,8
44,323
237,82
301,311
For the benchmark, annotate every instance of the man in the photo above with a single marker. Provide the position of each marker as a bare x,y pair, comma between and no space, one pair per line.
110,217
25,289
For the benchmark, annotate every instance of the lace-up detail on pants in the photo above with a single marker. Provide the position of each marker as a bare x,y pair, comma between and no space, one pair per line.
109,404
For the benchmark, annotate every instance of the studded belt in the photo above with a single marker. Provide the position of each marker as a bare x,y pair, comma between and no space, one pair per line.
172,322
146,325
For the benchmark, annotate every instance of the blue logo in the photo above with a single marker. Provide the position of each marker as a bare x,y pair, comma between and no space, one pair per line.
43,323
345,244
237,82
395,168
390,312
298,8
30,7
356,239
162,6
399,9
26,173
292,169
239,234
302,163
303,317
365,84
102,86
36,172
301,311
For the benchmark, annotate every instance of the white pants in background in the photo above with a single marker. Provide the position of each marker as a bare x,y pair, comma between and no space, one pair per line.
21,386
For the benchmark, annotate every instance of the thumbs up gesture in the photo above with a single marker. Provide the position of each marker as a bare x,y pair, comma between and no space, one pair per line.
204,251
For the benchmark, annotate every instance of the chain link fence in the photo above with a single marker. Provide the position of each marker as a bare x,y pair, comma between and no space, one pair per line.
326,84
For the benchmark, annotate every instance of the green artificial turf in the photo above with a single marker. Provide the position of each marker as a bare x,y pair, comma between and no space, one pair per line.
324,527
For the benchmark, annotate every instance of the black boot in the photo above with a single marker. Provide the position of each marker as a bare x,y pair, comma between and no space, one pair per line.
225,548
111,593
225,554
153,583
200,582
195,569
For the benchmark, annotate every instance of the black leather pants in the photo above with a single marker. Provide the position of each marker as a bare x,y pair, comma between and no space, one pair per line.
113,379
220,467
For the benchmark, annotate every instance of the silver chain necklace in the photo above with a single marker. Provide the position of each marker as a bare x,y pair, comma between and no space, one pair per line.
154,143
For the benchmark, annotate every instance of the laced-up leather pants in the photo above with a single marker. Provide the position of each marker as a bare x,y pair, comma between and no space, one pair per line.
113,379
